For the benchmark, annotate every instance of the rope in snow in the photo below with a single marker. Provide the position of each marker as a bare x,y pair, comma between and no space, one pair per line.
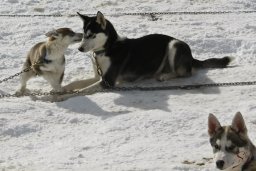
133,14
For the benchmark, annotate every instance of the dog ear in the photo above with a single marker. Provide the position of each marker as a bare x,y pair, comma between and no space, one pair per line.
101,20
213,124
83,17
52,33
238,123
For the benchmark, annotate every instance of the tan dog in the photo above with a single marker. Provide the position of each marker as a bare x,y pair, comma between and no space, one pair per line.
50,55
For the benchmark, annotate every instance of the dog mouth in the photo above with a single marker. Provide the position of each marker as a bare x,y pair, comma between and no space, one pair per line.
79,37
81,49
78,40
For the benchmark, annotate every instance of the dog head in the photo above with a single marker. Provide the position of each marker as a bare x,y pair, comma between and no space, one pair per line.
95,32
64,36
230,143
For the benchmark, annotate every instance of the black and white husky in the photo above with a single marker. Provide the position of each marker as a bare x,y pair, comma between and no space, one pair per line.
51,59
122,59
233,150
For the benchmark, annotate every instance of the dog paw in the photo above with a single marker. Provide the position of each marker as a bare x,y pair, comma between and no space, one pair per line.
166,76
163,77
57,91
20,92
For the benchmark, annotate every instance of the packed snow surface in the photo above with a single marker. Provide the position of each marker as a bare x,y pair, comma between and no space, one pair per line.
135,130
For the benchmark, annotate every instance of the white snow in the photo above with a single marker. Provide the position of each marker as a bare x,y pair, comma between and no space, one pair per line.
121,131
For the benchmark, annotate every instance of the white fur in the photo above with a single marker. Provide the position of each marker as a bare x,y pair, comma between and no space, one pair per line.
94,43
56,55
172,53
171,58
231,160
104,63
228,158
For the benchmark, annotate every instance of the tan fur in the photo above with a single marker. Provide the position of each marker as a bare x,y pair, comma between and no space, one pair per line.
252,166
49,58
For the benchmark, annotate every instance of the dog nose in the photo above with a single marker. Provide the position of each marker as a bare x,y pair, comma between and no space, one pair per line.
81,49
220,164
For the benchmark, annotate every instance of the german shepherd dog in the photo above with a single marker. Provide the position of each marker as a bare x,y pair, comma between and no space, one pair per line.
122,59
50,55
233,150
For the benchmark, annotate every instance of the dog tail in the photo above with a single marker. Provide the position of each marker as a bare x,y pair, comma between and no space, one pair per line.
212,62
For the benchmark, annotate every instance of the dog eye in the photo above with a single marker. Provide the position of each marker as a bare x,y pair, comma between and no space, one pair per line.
231,148
90,35
217,147
72,34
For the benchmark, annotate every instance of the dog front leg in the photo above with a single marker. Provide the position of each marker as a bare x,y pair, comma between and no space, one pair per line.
54,80
95,87
81,84
23,81
109,79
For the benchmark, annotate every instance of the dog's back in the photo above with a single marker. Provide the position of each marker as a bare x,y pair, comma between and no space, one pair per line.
36,55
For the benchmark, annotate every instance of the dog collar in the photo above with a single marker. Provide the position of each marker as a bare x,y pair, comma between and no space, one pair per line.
246,165
45,60
99,52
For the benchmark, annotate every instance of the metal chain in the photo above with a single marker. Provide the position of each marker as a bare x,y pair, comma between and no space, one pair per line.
183,87
19,73
37,94
114,88
188,12
15,75
133,14
136,88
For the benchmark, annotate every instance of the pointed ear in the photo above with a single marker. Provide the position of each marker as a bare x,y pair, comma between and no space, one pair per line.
213,124
238,123
52,33
83,17
101,20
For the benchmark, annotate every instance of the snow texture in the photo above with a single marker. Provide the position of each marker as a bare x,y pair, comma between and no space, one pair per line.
125,131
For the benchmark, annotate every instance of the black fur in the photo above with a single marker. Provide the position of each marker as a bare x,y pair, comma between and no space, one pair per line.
212,63
136,58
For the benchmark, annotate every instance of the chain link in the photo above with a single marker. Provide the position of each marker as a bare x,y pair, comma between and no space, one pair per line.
134,13
19,73
114,88
15,75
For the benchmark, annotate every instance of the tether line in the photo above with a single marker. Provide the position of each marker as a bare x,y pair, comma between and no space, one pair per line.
132,14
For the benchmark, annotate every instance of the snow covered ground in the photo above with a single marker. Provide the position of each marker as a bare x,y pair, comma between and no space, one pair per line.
121,131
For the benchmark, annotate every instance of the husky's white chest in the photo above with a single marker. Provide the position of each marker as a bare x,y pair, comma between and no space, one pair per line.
53,64
104,63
